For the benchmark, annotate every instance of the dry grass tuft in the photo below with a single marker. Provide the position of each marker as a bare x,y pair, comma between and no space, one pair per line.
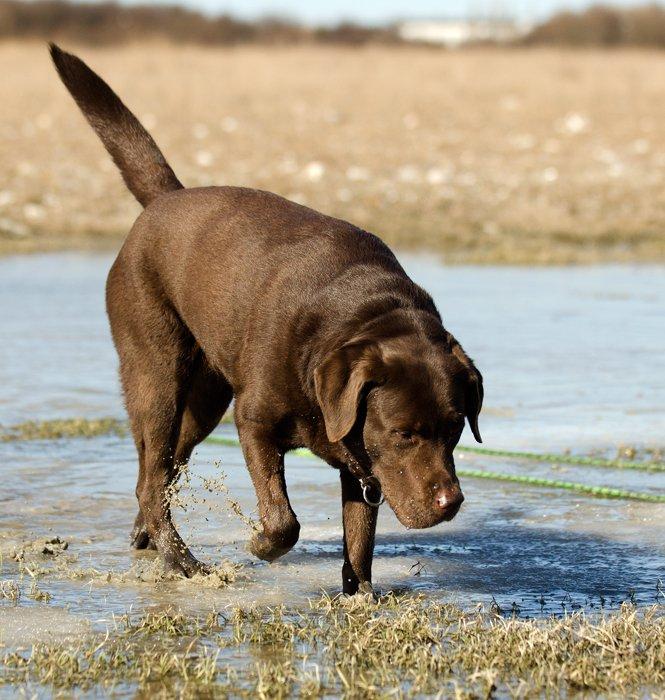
10,590
63,428
59,428
359,648
489,155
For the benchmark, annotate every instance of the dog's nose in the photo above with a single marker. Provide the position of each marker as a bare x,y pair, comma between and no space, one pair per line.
449,499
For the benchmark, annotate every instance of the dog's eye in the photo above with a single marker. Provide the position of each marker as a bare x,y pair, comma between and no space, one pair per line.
404,435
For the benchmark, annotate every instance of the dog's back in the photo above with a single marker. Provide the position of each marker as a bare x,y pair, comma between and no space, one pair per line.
234,260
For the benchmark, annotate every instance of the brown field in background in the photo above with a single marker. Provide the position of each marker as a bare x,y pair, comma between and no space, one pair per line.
484,155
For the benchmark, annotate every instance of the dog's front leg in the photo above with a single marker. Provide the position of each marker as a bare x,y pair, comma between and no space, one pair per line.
280,527
359,529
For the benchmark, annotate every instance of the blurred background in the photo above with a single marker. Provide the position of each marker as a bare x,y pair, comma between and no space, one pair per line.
485,131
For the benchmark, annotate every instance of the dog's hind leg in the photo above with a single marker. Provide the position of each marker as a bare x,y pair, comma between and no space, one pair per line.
208,398
157,357
154,401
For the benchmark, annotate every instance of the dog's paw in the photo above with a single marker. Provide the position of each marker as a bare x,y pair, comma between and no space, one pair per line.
187,566
366,588
140,539
263,547
363,591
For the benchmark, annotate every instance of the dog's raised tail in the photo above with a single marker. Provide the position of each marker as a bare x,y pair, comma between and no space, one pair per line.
143,166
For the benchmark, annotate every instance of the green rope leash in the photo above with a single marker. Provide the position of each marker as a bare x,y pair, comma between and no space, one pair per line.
596,491
567,459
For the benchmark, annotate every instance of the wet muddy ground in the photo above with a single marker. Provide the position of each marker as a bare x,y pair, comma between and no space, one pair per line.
573,359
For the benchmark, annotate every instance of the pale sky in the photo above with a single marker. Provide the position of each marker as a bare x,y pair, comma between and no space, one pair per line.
382,11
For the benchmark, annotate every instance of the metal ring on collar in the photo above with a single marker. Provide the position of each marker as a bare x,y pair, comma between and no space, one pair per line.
367,491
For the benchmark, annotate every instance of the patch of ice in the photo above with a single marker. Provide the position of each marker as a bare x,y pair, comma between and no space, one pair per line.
34,212
411,121
357,173
200,131
575,123
314,171
204,158
408,173
229,124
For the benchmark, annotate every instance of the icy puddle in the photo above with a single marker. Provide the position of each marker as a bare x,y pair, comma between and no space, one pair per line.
573,359
528,549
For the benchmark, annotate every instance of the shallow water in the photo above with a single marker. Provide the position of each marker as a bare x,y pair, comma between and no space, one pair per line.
573,358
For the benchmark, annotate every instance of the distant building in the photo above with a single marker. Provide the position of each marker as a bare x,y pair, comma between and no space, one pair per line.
458,32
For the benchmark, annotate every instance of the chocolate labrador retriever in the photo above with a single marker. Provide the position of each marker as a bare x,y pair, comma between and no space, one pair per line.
309,322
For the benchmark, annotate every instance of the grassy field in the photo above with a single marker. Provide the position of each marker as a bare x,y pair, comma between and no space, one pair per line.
353,648
526,156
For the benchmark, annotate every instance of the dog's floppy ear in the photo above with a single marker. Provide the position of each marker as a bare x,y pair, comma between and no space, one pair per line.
474,392
339,381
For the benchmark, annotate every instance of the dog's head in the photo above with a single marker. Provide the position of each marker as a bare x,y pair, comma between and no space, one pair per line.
400,405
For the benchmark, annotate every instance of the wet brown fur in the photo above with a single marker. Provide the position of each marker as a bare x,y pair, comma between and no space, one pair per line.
309,322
